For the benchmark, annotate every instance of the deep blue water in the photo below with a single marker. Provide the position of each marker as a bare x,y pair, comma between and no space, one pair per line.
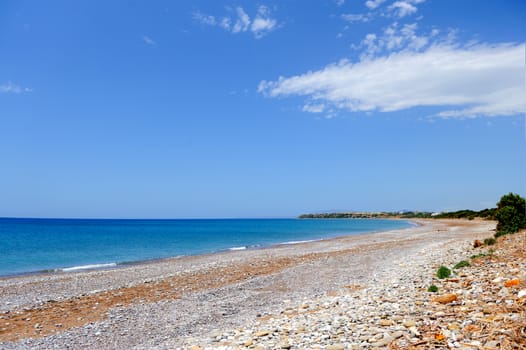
31,245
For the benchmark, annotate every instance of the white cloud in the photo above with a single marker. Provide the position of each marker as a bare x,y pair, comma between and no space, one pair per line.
339,2
314,108
148,40
481,80
402,8
204,19
360,17
225,23
372,4
395,38
9,87
263,23
241,22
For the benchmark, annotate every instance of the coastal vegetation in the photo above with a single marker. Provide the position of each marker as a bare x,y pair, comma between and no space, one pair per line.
489,241
432,289
488,214
510,214
443,272
461,264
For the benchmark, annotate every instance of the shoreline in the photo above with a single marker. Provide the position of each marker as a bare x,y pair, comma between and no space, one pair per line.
200,293
118,265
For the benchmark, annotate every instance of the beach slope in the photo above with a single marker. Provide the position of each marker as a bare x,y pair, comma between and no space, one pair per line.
224,299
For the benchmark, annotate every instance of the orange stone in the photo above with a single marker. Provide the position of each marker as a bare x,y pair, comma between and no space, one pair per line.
439,336
513,282
446,298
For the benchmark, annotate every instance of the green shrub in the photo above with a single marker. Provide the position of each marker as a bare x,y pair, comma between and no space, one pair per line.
510,214
490,241
432,289
443,272
502,233
461,264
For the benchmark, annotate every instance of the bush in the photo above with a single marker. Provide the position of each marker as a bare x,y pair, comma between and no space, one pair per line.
502,233
490,241
432,289
461,264
443,272
510,214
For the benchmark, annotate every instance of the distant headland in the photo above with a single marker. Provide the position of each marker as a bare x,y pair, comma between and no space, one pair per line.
488,214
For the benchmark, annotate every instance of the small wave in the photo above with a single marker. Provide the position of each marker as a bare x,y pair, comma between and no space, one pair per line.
86,267
238,248
299,242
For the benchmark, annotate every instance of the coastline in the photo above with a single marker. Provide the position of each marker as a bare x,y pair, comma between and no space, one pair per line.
201,293
115,259
101,266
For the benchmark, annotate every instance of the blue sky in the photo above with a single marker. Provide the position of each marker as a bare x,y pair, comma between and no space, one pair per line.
190,109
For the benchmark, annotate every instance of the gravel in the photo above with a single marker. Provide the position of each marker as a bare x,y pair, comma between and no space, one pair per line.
364,291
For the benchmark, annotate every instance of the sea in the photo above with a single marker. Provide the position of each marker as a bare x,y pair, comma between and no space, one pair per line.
66,245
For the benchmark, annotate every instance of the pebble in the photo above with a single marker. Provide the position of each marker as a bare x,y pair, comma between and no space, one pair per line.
389,310
409,323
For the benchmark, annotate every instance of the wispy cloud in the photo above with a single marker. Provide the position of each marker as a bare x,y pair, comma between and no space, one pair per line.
372,4
481,80
397,38
314,108
397,9
240,22
404,8
9,87
358,17
148,40
204,19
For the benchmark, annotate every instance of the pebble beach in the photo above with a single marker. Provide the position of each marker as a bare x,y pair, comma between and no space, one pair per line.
357,292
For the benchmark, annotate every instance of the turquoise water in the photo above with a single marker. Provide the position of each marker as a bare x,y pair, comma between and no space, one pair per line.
32,245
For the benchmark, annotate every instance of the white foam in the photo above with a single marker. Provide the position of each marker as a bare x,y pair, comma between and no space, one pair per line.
237,248
299,242
87,267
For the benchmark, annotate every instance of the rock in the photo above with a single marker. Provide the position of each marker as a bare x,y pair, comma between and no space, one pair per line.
453,326
446,298
338,346
492,344
386,323
409,323
511,283
498,280
397,334
382,343
487,310
285,345
414,331
195,347
215,334
522,293
262,333
478,243
248,343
